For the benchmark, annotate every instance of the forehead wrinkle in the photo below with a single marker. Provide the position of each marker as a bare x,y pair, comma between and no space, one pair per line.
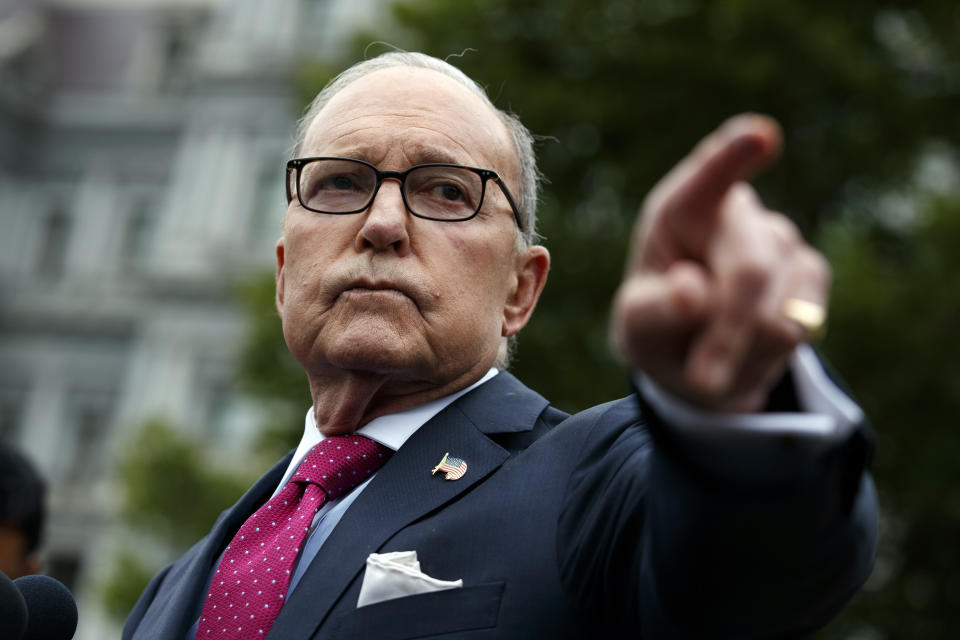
425,154
416,151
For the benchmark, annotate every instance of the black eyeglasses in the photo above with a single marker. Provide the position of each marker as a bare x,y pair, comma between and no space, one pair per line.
435,191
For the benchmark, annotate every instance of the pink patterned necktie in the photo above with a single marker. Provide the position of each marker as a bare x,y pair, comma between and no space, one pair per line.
250,584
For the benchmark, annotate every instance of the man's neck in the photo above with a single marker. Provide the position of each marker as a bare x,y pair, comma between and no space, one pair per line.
344,403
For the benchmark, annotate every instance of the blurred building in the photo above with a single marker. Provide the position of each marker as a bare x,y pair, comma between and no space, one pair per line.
142,146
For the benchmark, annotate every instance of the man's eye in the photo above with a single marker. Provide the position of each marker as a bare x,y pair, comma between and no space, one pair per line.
448,192
339,183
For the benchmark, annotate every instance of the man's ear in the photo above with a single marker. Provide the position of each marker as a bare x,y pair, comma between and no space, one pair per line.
279,295
533,264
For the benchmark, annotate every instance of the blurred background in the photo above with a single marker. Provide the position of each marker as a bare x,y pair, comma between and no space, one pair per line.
142,145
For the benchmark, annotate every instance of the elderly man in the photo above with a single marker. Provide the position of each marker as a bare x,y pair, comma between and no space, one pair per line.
434,495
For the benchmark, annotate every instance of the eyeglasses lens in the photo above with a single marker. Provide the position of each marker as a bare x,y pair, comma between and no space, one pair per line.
439,192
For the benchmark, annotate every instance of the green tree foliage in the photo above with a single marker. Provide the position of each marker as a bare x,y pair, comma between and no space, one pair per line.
172,495
269,373
160,451
129,575
893,331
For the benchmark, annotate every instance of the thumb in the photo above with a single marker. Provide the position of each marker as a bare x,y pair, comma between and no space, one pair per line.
651,307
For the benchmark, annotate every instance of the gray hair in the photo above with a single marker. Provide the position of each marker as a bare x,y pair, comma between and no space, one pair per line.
529,176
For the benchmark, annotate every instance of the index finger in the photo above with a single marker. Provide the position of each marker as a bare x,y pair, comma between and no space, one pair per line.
691,194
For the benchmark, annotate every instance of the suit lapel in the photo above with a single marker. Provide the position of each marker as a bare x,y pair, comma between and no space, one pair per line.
177,604
404,490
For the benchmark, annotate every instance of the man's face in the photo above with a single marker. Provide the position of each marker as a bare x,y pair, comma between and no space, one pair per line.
421,302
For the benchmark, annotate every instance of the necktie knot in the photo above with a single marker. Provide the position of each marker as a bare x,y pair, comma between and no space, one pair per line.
340,463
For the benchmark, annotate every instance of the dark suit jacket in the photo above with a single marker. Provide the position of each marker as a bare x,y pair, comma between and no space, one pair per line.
566,527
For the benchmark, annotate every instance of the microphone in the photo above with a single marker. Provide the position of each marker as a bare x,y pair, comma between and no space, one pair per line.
51,609
13,610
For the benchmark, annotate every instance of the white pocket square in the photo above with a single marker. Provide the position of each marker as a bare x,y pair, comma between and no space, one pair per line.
397,574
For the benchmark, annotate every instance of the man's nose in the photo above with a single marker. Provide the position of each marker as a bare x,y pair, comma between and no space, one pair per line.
386,220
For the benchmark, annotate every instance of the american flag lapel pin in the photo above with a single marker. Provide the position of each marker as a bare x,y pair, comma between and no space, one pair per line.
453,467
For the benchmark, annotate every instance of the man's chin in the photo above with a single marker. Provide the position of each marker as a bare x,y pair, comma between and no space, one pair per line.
376,352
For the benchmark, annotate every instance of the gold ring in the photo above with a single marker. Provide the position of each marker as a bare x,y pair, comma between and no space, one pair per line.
809,315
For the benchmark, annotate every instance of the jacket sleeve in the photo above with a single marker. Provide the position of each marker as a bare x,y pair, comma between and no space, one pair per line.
652,540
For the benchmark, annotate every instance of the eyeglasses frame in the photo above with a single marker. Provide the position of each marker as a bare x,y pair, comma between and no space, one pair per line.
297,164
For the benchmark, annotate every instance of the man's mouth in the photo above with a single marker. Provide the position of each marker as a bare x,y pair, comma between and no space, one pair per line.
380,289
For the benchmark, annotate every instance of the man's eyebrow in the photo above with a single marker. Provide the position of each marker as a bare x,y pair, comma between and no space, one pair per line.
353,155
427,155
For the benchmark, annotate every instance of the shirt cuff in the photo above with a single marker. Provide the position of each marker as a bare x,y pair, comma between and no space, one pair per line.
827,415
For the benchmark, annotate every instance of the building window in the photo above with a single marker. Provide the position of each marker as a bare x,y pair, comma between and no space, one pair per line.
267,218
53,245
217,410
138,234
65,567
11,412
90,432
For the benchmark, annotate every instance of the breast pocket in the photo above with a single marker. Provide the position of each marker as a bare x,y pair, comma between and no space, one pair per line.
426,614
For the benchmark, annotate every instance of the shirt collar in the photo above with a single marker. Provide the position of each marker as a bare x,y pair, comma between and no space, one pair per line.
391,430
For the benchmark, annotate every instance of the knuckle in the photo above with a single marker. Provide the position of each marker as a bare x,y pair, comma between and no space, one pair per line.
633,304
752,273
654,204
784,230
778,335
815,266
744,193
